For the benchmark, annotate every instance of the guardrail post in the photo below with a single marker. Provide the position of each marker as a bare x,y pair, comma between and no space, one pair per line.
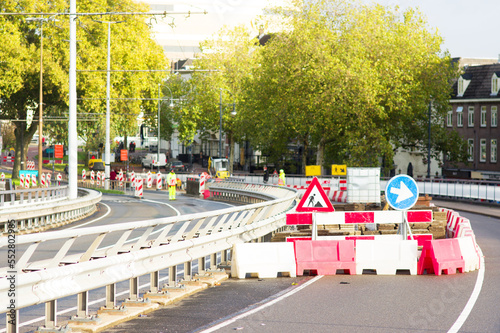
110,296
51,314
12,321
172,276
154,279
82,305
213,261
202,264
134,288
188,268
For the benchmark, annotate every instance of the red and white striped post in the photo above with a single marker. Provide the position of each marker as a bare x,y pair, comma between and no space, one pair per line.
42,180
158,181
138,187
2,177
92,176
150,180
33,180
132,177
48,179
98,178
59,178
84,175
21,180
120,178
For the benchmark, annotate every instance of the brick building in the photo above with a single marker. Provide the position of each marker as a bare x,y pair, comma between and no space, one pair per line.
474,110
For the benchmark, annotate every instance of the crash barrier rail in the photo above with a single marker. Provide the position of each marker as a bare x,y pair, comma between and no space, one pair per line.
243,192
32,196
133,250
41,214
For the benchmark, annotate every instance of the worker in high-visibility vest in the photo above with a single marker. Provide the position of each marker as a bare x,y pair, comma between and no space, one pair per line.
281,178
172,183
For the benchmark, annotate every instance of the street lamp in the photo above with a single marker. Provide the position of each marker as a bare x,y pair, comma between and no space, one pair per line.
107,149
40,113
233,113
429,143
159,104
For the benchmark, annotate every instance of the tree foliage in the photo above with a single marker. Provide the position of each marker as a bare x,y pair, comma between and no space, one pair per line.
132,48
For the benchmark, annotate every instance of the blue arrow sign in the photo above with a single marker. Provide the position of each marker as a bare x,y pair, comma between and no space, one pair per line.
401,192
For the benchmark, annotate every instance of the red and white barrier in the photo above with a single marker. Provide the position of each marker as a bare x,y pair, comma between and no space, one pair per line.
48,179
158,181
203,179
149,180
92,177
138,187
30,165
103,177
58,178
2,177
21,180
8,159
98,182
33,180
386,257
132,177
265,260
42,180
84,175
324,257
120,178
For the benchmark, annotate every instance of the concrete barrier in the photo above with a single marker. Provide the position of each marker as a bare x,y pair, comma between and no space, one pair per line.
386,256
265,260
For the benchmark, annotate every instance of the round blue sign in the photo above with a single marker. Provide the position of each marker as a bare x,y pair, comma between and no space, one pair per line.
401,192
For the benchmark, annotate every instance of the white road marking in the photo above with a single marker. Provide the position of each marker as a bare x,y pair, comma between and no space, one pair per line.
262,307
473,297
94,220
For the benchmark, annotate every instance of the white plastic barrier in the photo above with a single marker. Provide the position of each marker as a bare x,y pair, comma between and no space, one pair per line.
469,253
386,256
264,259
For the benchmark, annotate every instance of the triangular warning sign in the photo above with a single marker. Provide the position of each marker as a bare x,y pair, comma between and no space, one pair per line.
315,199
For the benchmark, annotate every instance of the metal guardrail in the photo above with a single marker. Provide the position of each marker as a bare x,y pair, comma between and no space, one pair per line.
32,196
40,214
137,249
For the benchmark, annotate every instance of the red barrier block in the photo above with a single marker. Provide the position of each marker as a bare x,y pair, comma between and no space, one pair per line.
325,256
441,255
421,238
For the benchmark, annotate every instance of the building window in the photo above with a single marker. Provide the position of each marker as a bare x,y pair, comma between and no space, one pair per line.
483,116
462,85
449,119
494,84
460,117
482,149
493,151
470,116
470,150
494,116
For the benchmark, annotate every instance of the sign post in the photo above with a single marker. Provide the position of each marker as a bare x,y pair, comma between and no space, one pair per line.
401,194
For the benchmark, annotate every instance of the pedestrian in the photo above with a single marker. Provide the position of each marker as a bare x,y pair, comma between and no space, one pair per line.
281,179
171,183
112,178
266,175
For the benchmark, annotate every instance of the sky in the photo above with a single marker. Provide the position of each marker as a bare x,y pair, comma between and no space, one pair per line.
469,27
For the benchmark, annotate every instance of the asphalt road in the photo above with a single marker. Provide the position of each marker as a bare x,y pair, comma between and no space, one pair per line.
340,303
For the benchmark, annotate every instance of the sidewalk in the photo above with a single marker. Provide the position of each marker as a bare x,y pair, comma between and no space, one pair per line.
476,207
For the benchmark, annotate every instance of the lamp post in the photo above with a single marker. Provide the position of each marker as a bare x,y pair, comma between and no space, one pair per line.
159,107
107,149
40,113
429,143
220,120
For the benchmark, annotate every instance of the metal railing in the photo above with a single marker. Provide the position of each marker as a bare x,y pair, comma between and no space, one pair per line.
32,196
135,249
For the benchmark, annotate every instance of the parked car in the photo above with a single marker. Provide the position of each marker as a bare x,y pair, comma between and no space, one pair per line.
151,161
177,166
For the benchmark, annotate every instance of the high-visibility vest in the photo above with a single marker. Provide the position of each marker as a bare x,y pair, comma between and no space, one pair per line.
172,179
281,179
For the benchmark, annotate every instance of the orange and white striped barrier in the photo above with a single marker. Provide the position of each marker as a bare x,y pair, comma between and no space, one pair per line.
149,180
158,181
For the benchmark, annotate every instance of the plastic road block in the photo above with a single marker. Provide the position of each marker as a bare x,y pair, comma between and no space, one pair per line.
386,256
468,249
265,260
441,255
325,257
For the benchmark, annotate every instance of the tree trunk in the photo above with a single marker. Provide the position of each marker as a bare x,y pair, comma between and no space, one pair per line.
304,157
23,140
320,154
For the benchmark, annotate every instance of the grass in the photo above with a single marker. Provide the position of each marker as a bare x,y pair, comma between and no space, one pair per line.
109,191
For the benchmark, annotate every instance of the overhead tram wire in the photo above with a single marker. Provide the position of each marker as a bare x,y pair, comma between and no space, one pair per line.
164,13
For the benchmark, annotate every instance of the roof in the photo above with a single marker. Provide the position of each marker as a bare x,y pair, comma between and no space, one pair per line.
480,82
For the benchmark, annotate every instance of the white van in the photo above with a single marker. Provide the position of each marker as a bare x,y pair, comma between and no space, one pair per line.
151,161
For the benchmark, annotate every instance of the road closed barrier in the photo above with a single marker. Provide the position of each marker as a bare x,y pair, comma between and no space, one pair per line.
325,257
386,256
265,260
441,255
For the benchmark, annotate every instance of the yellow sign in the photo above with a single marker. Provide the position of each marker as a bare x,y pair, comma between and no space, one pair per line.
313,170
339,170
